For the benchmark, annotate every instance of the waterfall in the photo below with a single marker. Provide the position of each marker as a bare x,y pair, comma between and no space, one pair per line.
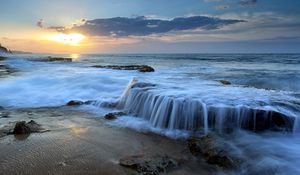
123,98
193,115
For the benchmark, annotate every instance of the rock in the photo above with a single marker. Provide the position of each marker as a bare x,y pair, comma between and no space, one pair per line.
4,49
149,165
2,58
140,68
113,115
74,103
215,150
146,68
225,82
26,128
53,59
21,128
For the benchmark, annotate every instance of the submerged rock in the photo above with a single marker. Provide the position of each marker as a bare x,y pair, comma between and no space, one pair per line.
113,115
5,70
140,68
215,150
225,82
26,128
4,114
149,165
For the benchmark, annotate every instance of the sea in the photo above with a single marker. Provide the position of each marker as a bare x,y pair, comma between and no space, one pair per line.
183,97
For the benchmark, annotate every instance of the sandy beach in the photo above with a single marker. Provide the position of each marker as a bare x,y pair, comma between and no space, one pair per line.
76,142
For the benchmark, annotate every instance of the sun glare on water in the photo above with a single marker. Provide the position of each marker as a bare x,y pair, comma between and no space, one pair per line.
70,39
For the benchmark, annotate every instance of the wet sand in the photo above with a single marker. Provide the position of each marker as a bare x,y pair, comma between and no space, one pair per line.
81,143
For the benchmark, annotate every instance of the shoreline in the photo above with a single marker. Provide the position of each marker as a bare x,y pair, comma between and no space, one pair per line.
80,143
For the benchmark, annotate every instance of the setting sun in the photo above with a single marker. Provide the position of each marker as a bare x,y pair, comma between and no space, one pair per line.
69,39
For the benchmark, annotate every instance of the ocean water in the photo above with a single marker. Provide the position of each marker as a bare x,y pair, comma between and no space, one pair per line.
186,97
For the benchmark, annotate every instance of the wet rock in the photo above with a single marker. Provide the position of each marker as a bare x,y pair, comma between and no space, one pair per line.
215,150
2,58
53,59
21,128
149,165
75,103
225,82
140,68
26,128
113,115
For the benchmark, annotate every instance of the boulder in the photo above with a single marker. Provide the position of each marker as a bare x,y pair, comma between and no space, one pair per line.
21,128
215,150
113,115
146,68
140,68
74,103
225,82
148,165
26,128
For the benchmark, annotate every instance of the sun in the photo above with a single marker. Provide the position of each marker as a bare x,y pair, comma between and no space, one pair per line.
72,39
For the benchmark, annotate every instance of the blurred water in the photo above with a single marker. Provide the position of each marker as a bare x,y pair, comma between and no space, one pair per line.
259,81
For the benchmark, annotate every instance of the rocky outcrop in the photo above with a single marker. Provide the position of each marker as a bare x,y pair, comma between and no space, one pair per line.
215,150
3,49
149,165
140,68
53,59
26,128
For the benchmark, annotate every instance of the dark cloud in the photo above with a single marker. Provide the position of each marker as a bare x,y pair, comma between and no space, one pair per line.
222,7
142,26
58,28
248,2
40,23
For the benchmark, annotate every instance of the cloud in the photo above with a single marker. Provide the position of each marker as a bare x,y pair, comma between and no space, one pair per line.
222,7
40,23
57,28
143,26
248,2
260,26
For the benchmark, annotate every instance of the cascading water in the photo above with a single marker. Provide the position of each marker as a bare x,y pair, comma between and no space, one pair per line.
192,114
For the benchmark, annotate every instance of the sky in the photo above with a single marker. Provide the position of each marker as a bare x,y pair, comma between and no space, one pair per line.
151,26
